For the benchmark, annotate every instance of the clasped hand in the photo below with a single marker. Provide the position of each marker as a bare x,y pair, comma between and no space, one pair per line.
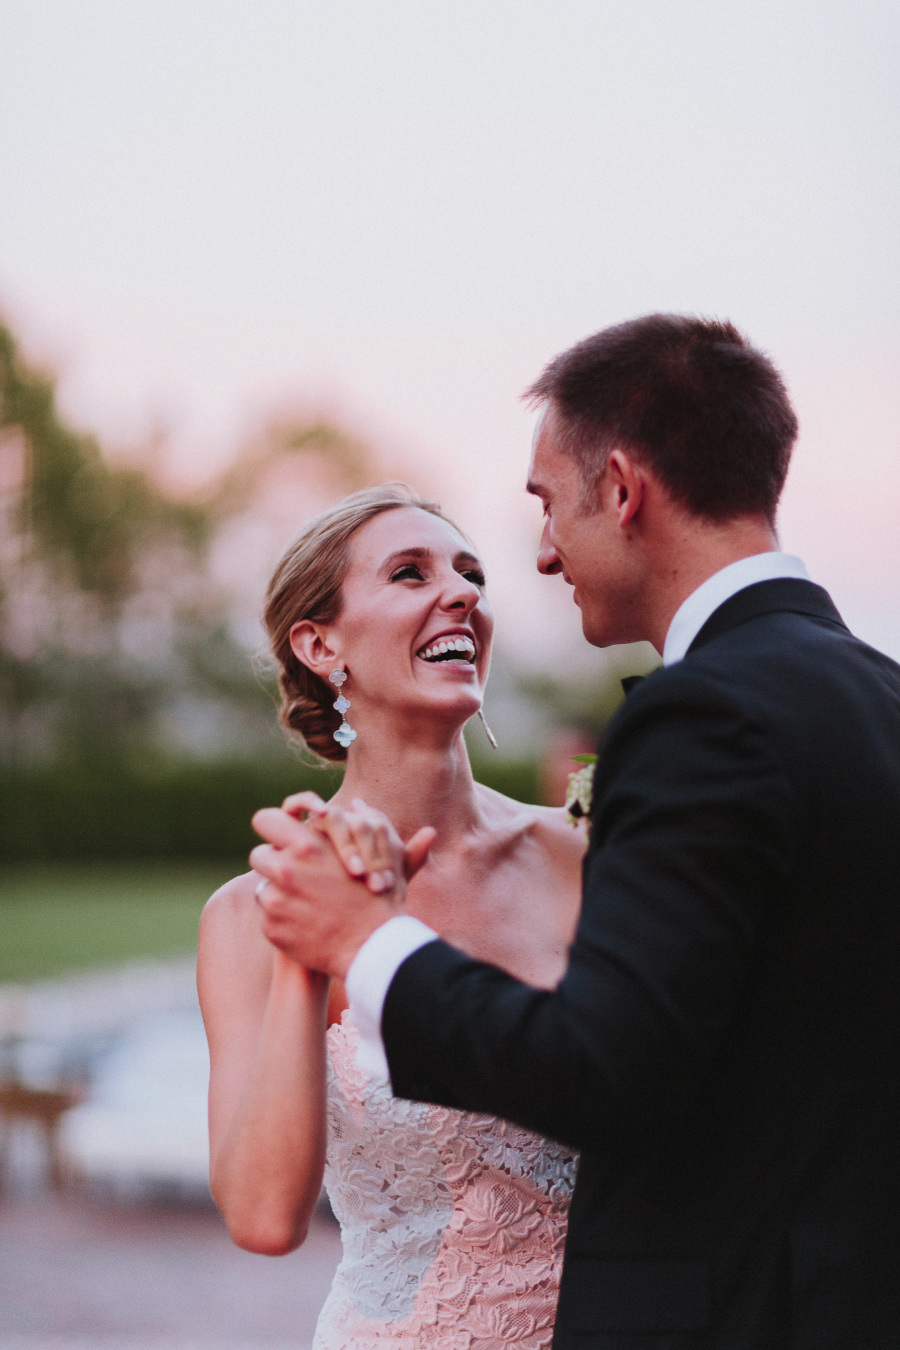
330,877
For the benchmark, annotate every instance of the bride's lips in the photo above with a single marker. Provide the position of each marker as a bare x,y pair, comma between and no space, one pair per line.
458,641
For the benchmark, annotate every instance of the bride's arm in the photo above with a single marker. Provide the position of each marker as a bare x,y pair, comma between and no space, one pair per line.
265,1020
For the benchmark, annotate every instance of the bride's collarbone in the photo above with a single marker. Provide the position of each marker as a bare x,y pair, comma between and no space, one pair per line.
505,838
498,871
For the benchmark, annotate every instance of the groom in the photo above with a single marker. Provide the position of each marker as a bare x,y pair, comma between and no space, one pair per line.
722,1047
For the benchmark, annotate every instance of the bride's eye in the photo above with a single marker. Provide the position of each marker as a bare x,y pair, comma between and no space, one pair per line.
475,575
408,572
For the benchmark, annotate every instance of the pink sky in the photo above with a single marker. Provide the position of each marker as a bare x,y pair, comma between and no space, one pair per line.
399,212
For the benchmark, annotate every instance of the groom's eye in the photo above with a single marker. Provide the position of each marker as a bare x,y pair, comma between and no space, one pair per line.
408,572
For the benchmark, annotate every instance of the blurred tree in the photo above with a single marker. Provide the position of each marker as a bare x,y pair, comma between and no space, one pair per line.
83,540
115,641
587,703
347,461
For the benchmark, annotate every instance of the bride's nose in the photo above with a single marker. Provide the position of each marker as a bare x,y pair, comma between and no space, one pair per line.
460,594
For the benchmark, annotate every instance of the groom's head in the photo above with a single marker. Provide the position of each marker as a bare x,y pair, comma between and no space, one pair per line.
663,433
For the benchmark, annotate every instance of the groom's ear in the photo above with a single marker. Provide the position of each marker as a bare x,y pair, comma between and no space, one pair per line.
624,487
310,644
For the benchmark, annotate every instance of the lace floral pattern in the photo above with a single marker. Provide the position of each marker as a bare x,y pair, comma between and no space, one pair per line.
452,1223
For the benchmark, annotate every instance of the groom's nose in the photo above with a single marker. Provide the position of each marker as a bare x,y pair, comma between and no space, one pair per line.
549,562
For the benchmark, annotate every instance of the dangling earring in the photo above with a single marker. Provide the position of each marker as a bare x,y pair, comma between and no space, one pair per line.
344,734
487,730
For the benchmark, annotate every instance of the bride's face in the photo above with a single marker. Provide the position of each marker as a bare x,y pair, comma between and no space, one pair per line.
415,626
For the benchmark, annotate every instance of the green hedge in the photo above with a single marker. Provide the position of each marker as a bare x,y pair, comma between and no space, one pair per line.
189,811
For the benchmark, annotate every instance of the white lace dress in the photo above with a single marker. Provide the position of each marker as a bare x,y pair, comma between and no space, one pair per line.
452,1223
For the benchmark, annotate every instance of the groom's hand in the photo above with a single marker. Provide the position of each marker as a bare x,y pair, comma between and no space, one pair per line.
312,909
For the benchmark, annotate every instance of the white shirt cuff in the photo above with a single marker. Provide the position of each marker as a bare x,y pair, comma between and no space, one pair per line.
369,978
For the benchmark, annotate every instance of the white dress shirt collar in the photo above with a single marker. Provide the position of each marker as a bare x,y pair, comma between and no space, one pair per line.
721,586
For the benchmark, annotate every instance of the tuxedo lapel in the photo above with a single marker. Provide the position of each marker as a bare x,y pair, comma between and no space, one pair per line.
786,594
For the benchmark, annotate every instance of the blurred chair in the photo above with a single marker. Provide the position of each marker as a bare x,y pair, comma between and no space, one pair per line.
43,1108
26,1104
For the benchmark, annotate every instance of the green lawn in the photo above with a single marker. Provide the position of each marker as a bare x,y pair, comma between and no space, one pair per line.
78,917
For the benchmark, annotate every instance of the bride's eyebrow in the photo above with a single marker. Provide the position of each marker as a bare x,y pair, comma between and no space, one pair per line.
420,554
464,559
416,551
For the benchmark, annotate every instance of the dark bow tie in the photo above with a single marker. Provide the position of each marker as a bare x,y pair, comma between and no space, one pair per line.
630,681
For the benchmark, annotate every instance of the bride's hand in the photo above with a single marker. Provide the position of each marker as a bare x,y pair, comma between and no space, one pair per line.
364,839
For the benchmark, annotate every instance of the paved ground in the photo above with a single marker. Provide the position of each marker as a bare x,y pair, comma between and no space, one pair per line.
97,1270
87,1274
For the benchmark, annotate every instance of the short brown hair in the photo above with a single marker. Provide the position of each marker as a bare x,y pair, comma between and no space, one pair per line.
306,584
690,398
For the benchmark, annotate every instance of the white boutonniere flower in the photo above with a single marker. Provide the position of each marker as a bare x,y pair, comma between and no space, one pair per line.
580,789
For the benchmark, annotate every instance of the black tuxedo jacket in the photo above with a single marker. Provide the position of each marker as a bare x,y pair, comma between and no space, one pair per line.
723,1046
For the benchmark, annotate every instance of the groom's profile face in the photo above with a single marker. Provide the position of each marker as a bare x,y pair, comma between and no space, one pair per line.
580,540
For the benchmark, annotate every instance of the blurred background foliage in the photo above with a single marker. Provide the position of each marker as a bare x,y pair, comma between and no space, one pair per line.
106,614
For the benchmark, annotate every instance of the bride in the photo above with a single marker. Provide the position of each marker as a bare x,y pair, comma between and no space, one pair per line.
452,1223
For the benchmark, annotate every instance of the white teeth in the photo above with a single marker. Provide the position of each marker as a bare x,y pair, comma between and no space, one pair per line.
444,645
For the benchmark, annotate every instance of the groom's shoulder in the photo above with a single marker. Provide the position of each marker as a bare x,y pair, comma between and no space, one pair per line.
789,650
776,668
673,702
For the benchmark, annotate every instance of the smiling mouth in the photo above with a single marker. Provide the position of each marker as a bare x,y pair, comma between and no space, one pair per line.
448,649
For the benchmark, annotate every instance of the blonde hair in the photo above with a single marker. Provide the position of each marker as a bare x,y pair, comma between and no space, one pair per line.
307,584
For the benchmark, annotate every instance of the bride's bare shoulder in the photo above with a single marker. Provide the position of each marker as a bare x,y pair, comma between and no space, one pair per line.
559,836
233,902
548,826
229,923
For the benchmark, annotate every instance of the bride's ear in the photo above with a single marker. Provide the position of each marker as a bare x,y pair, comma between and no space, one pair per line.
309,643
